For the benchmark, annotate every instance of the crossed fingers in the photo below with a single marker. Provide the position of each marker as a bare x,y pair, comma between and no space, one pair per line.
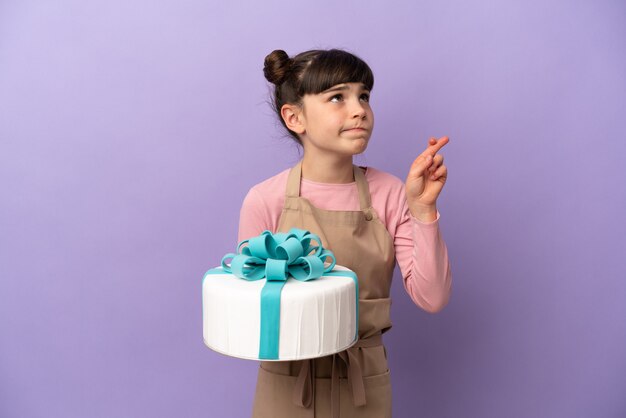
432,149
437,168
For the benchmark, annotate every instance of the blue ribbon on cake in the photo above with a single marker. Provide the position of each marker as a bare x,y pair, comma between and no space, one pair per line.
276,257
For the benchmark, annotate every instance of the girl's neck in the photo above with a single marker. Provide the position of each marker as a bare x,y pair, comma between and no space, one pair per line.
333,169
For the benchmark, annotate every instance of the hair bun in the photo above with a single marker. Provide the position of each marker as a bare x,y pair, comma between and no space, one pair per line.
277,64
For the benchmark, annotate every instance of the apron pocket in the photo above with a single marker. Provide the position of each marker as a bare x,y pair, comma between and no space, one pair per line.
273,397
377,395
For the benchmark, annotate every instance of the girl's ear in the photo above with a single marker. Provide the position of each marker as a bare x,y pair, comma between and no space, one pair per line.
293,117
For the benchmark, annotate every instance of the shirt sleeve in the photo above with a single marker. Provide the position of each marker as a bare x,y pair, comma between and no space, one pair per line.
422,256
254,217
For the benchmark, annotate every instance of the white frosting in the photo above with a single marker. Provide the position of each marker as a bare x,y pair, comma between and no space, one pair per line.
317,317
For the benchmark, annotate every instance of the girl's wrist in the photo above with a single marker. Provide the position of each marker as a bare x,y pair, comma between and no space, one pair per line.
424,213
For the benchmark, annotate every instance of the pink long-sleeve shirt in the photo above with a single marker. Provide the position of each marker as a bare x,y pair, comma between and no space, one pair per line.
420,249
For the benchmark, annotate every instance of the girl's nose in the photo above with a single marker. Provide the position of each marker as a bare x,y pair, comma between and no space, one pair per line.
358,110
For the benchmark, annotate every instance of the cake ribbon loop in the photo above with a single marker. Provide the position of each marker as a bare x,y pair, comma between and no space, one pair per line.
275,257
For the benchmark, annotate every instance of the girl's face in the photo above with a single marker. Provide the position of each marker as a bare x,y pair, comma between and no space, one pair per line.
338,120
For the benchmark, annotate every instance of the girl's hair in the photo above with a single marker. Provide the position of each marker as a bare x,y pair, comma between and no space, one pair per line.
311,72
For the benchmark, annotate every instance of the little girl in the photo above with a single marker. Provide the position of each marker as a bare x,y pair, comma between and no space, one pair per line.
367,217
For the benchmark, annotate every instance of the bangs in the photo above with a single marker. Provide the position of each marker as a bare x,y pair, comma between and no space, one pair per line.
335,67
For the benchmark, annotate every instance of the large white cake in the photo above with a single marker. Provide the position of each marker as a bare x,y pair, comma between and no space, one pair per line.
317,317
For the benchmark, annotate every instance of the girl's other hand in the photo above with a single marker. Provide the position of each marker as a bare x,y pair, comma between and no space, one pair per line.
425,180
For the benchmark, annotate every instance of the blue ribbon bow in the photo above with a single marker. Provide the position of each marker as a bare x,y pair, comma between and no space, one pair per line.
275,257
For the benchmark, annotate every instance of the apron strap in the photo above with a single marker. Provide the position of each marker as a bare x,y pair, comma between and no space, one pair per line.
293,188
304,390
293,181
364,193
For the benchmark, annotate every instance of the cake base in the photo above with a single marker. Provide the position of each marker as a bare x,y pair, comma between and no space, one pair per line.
317,317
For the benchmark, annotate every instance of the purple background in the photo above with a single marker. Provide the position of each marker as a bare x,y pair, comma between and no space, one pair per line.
131,131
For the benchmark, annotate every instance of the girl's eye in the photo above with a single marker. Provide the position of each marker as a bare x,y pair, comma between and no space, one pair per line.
339,97
336,98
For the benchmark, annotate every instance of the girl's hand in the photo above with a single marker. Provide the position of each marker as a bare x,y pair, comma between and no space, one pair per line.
425,180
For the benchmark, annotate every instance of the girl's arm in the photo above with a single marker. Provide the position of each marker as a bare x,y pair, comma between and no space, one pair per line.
422,256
